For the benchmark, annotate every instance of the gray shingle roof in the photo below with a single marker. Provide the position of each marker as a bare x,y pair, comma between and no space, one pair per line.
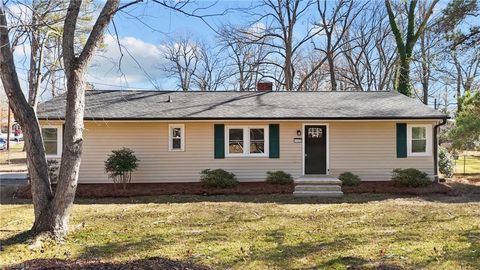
243,105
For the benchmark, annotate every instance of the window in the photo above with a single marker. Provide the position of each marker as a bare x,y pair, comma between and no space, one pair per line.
52,140
257,141
419,140
235,141
246,141
176,137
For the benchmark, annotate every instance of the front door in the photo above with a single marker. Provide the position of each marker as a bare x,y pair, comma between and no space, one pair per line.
315,149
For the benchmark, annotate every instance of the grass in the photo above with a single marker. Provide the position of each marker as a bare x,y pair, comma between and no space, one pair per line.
263,232
15,160
472,165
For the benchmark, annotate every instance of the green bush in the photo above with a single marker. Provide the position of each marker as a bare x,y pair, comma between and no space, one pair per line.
446,163
218,178
279,178
120,165
410,178
349,179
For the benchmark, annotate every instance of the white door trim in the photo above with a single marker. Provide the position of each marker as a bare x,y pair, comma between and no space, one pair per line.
328,145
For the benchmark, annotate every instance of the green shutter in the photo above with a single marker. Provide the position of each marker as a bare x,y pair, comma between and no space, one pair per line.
219,141
274,140
401,140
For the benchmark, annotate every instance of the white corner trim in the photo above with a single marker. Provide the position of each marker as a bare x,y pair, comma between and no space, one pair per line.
59,129
246,141
182,138
429,138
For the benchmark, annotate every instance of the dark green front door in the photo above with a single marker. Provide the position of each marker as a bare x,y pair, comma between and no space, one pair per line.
315,149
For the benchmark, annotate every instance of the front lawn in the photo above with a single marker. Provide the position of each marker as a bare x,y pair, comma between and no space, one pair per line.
468,165
15,160
263,232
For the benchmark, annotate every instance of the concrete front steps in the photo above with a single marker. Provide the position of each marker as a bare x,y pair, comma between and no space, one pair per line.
317,186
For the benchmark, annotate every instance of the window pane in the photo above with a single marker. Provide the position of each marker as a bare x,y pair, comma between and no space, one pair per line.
257,140
176,143
236,134
419,133
50,148
49,134
235,143
419,146
177,132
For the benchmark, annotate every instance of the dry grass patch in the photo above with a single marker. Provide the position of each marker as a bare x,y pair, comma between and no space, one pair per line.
262,232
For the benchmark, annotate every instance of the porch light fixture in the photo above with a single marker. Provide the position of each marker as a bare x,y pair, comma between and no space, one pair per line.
299,132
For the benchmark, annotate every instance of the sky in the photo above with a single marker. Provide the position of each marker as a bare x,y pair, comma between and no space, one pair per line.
142,29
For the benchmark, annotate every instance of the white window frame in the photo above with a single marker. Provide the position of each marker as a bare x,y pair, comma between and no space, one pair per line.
428,135
246,142
59,129
170,137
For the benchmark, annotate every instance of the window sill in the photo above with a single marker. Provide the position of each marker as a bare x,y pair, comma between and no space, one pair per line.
246,156
176,150
419,155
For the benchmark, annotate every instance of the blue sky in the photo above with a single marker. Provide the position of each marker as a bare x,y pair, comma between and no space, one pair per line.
142,29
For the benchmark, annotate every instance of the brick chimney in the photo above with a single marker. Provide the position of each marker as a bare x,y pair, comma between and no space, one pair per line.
264,86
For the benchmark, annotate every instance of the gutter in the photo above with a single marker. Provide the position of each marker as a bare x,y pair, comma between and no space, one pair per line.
246,118
435,149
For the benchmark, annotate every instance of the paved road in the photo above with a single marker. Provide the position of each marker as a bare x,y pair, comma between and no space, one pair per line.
13,178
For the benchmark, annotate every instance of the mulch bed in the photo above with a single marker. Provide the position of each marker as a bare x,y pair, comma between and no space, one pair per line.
251,188
390,187
151,189
150,263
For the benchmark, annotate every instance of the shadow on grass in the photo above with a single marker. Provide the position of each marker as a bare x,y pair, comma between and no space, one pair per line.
469,255
460,197
19,238
148,263
112,250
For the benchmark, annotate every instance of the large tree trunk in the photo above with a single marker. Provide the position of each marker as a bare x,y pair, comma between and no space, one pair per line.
331,68
52,212
404,86
56,216
26,116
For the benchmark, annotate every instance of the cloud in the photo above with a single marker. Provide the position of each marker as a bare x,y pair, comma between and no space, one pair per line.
138,68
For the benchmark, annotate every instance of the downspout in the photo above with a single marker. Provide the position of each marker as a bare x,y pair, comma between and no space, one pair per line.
435,149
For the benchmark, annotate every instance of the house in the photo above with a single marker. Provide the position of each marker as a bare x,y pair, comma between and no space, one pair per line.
315,136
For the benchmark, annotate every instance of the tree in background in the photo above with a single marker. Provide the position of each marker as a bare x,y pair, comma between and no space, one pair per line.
406,42
456,12
183,56
273,26
466,133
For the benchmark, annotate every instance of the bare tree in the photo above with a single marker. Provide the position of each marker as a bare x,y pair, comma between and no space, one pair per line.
367,55
245,59
334,24
280,18
182,57
211,70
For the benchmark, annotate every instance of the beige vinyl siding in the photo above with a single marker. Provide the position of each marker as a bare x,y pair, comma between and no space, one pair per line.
368,149
364,148
149,140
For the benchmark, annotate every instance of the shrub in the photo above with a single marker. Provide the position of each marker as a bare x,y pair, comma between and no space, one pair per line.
218,178
446,162
349,179
410,178
120,165
279,178
52,167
